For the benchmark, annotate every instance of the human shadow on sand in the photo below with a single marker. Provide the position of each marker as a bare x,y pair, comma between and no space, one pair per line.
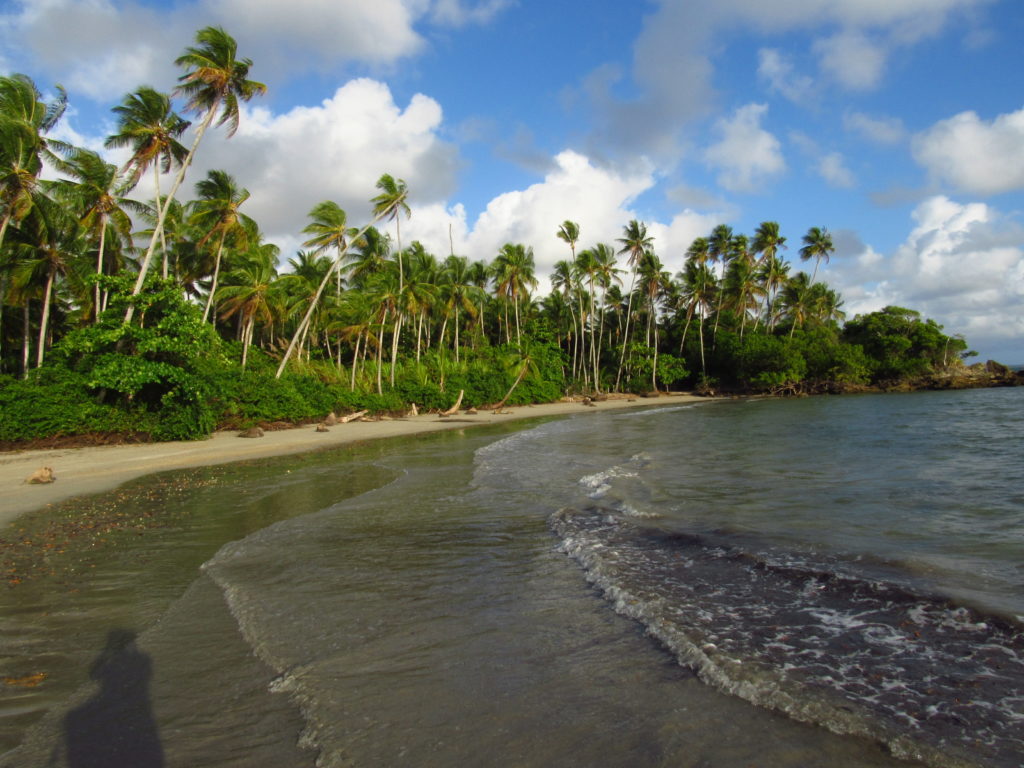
116,726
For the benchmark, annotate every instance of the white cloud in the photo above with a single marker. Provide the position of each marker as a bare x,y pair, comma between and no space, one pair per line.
597,199
851,59
961,265
881,130
777,69
747,156
334,151
973,155
833,170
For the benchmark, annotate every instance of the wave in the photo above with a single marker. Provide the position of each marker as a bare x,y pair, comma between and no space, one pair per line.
932,680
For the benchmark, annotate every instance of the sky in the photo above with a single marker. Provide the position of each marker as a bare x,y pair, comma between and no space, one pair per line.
898,125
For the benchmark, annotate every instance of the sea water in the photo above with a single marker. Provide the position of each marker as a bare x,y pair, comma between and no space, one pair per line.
822,581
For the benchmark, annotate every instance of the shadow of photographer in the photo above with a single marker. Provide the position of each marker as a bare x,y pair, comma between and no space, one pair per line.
116,727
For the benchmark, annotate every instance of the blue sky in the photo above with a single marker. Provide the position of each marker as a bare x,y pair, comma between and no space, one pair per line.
896,124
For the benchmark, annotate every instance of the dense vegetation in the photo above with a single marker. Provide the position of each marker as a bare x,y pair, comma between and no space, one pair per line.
167,319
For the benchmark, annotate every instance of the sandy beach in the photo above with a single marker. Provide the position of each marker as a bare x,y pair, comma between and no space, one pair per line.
91,470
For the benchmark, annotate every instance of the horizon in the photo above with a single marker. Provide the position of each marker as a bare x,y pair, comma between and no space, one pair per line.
899,126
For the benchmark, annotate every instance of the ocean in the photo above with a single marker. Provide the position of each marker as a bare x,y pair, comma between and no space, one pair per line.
817,581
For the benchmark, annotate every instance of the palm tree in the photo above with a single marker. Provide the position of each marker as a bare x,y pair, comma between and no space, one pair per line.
606,274
150,128
798,300
772,273
653,282
390,203
48,243
699,293
381,212
216,213
95,192
329,228
635,241
250,294
457,293
767,240
817,245
514,276
214,80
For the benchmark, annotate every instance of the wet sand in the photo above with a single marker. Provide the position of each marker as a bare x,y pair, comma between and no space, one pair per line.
90,470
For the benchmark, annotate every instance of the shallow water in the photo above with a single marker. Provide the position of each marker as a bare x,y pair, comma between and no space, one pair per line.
415,603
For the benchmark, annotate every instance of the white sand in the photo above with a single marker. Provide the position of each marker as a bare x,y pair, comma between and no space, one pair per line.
86,471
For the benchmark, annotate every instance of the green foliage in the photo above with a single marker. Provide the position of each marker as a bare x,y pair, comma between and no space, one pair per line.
760,360
55,402
829,359
161,362
900,345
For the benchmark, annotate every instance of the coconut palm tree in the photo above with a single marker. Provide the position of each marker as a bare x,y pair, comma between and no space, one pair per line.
48,244
817,245
329,229
699,294
458,293
215,80
95,193
514,275
216,213
148,126
381,211
250,293
634,241
391,204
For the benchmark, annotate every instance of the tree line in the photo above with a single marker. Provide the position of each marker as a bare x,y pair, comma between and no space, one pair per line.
139,301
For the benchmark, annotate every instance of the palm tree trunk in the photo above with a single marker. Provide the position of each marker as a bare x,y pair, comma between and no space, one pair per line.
319,292
380,352
625,335
99,267
26,338
216,275
163,239
394,345
355,363
44,319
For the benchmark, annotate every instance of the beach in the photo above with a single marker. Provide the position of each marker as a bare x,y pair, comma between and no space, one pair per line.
94,469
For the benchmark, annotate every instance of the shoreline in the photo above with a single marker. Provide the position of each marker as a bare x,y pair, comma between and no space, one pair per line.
90,470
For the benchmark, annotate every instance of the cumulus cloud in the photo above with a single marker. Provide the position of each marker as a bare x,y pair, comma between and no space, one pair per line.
961,264
598,199
457,13
334,151
746,156
984,158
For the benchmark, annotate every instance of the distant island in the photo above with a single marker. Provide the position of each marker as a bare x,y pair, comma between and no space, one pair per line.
157,319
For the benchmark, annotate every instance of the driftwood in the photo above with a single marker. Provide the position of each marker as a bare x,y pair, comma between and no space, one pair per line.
41,476
251,432
351,417
455,408
413,410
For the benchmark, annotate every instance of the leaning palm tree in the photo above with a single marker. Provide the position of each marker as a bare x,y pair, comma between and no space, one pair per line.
380,212
635,242
216,213
329,229
214,81
148,126
817,245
